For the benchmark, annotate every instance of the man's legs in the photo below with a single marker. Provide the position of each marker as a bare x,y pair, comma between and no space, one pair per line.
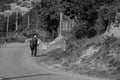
32,52
35,50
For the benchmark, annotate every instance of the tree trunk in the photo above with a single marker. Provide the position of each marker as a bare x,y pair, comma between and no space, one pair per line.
16,28
28,21
7,25
60,25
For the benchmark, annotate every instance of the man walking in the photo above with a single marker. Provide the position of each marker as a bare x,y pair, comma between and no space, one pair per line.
33,46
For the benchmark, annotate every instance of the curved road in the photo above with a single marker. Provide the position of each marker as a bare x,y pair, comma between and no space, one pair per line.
16,64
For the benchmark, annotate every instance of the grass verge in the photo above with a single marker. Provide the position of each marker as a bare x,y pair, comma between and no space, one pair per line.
103,63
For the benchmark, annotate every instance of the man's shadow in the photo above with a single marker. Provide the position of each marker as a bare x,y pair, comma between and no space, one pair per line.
10,78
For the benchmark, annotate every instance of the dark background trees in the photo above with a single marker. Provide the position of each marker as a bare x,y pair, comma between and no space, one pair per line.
93,16
96,14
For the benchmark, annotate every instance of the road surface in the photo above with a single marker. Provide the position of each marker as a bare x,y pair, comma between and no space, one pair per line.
16,64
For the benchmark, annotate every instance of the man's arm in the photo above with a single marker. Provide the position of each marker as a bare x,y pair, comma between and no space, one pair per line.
38,41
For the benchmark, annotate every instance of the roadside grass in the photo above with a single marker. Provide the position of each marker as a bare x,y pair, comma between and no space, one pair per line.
70,55
1,42
12,38
108,56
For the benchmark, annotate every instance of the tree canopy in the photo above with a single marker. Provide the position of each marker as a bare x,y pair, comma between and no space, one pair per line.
93,16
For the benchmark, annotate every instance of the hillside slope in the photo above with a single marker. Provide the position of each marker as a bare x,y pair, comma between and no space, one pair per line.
99,56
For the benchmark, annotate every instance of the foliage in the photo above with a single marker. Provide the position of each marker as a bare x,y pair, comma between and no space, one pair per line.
48,14
8,1
40,33
13,38
4,6
93,16
96,15
2,23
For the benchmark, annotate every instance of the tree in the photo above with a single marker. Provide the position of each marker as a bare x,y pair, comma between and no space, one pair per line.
92,13
48,15
4,6
2,23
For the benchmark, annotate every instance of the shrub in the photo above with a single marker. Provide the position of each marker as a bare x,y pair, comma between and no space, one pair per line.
20,38
42,34
14,38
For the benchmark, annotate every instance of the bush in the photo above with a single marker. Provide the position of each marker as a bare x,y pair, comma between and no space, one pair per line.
20,38
40,33
14,38
2,41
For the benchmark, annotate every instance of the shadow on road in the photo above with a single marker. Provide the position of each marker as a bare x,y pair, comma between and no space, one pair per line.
10,78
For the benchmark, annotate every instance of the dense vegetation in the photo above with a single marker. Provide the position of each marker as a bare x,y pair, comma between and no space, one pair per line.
96,15
93,16
93,19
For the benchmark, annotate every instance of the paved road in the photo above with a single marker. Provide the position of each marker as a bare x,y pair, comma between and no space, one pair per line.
16,64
